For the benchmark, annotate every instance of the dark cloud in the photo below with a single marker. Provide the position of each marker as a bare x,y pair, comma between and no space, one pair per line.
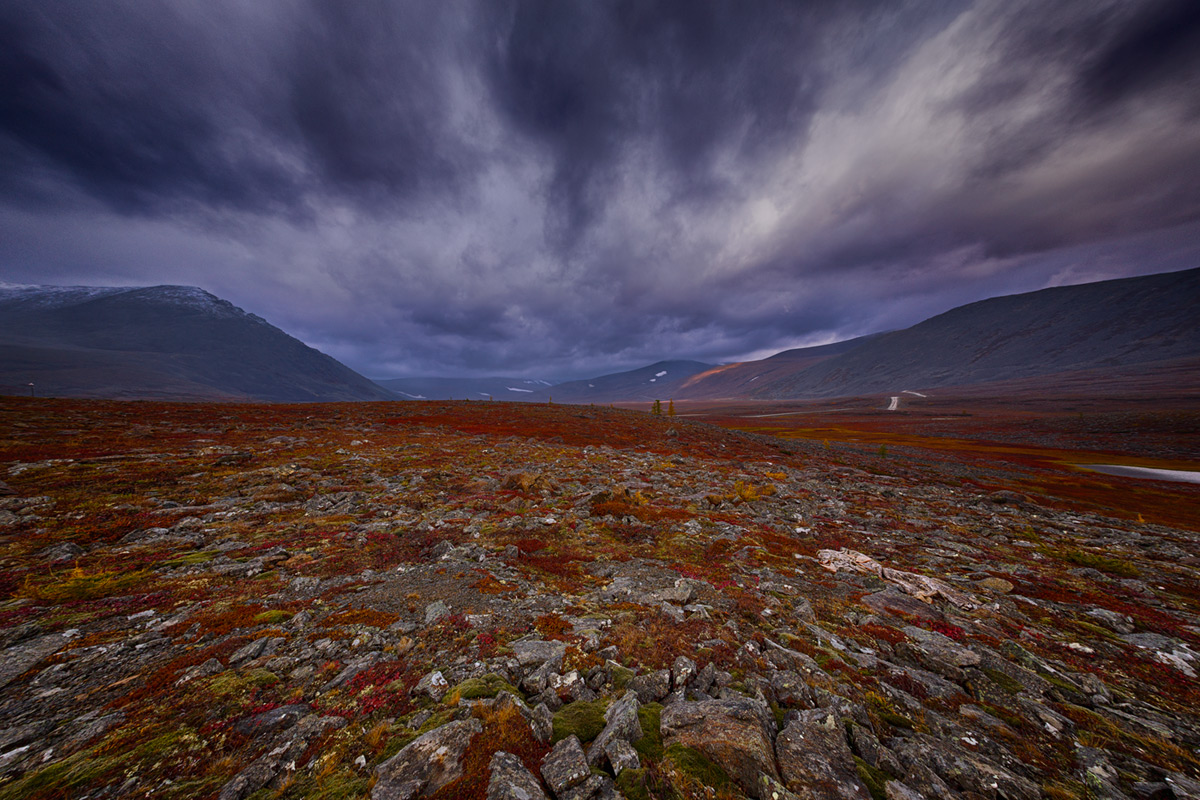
558,188
123,106
1158,48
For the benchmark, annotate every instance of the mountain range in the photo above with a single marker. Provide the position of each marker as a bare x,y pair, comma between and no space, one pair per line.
1093,337
165,342
181,342
493,388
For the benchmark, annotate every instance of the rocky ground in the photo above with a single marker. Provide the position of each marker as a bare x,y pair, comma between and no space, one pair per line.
514,601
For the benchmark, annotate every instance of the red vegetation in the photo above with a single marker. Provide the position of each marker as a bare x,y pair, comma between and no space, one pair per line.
504,729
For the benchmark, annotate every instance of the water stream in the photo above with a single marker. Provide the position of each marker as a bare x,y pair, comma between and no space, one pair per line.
1149,473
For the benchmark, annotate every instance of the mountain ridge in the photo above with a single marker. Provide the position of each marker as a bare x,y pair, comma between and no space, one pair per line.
653,381
1114,323
162,342
1083,328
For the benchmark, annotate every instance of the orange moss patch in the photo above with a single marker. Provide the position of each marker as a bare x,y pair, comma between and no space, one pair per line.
361,616
654,642
504,729
552,626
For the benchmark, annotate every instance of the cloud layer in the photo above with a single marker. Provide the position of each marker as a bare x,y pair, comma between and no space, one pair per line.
565,188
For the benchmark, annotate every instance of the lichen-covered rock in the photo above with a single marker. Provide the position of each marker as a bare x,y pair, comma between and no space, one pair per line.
596,787
19,658
895,602
355,666
283,754
565,766
652,686
735,734
621,723
270,721
435,611
1183,787
510,780
705,678
815,760
621,756
539,679
790,689
535,652
895,790
964,770
682,671
432,684
425,764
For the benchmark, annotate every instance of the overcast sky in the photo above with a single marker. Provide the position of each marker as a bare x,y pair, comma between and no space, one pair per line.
565,188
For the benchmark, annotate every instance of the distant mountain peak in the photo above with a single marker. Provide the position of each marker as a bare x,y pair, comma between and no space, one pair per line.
160,341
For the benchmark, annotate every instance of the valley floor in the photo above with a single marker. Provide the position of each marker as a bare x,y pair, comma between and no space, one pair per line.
205,600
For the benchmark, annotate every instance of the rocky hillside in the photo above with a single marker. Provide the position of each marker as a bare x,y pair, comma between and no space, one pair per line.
1103,326
747,378
512,601
166,342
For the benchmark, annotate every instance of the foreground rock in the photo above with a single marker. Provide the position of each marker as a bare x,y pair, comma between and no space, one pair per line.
510,780
426,764
815,760
735,734
565,766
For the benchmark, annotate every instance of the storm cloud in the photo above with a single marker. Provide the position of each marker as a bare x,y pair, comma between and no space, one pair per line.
557,189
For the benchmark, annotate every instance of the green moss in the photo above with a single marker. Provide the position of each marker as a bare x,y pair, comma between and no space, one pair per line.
273,616
166,744
1003,680
1060,683
439,719
206,786
1113,566
873,777
340,785
74,774
1012,719
395,744
489,685
895,720
231,682
621,676
650,747
694,764
582,718
779,714
196,557
632,783
827,660
1097,630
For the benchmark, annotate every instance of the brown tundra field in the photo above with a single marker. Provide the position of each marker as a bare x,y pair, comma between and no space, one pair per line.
469,600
